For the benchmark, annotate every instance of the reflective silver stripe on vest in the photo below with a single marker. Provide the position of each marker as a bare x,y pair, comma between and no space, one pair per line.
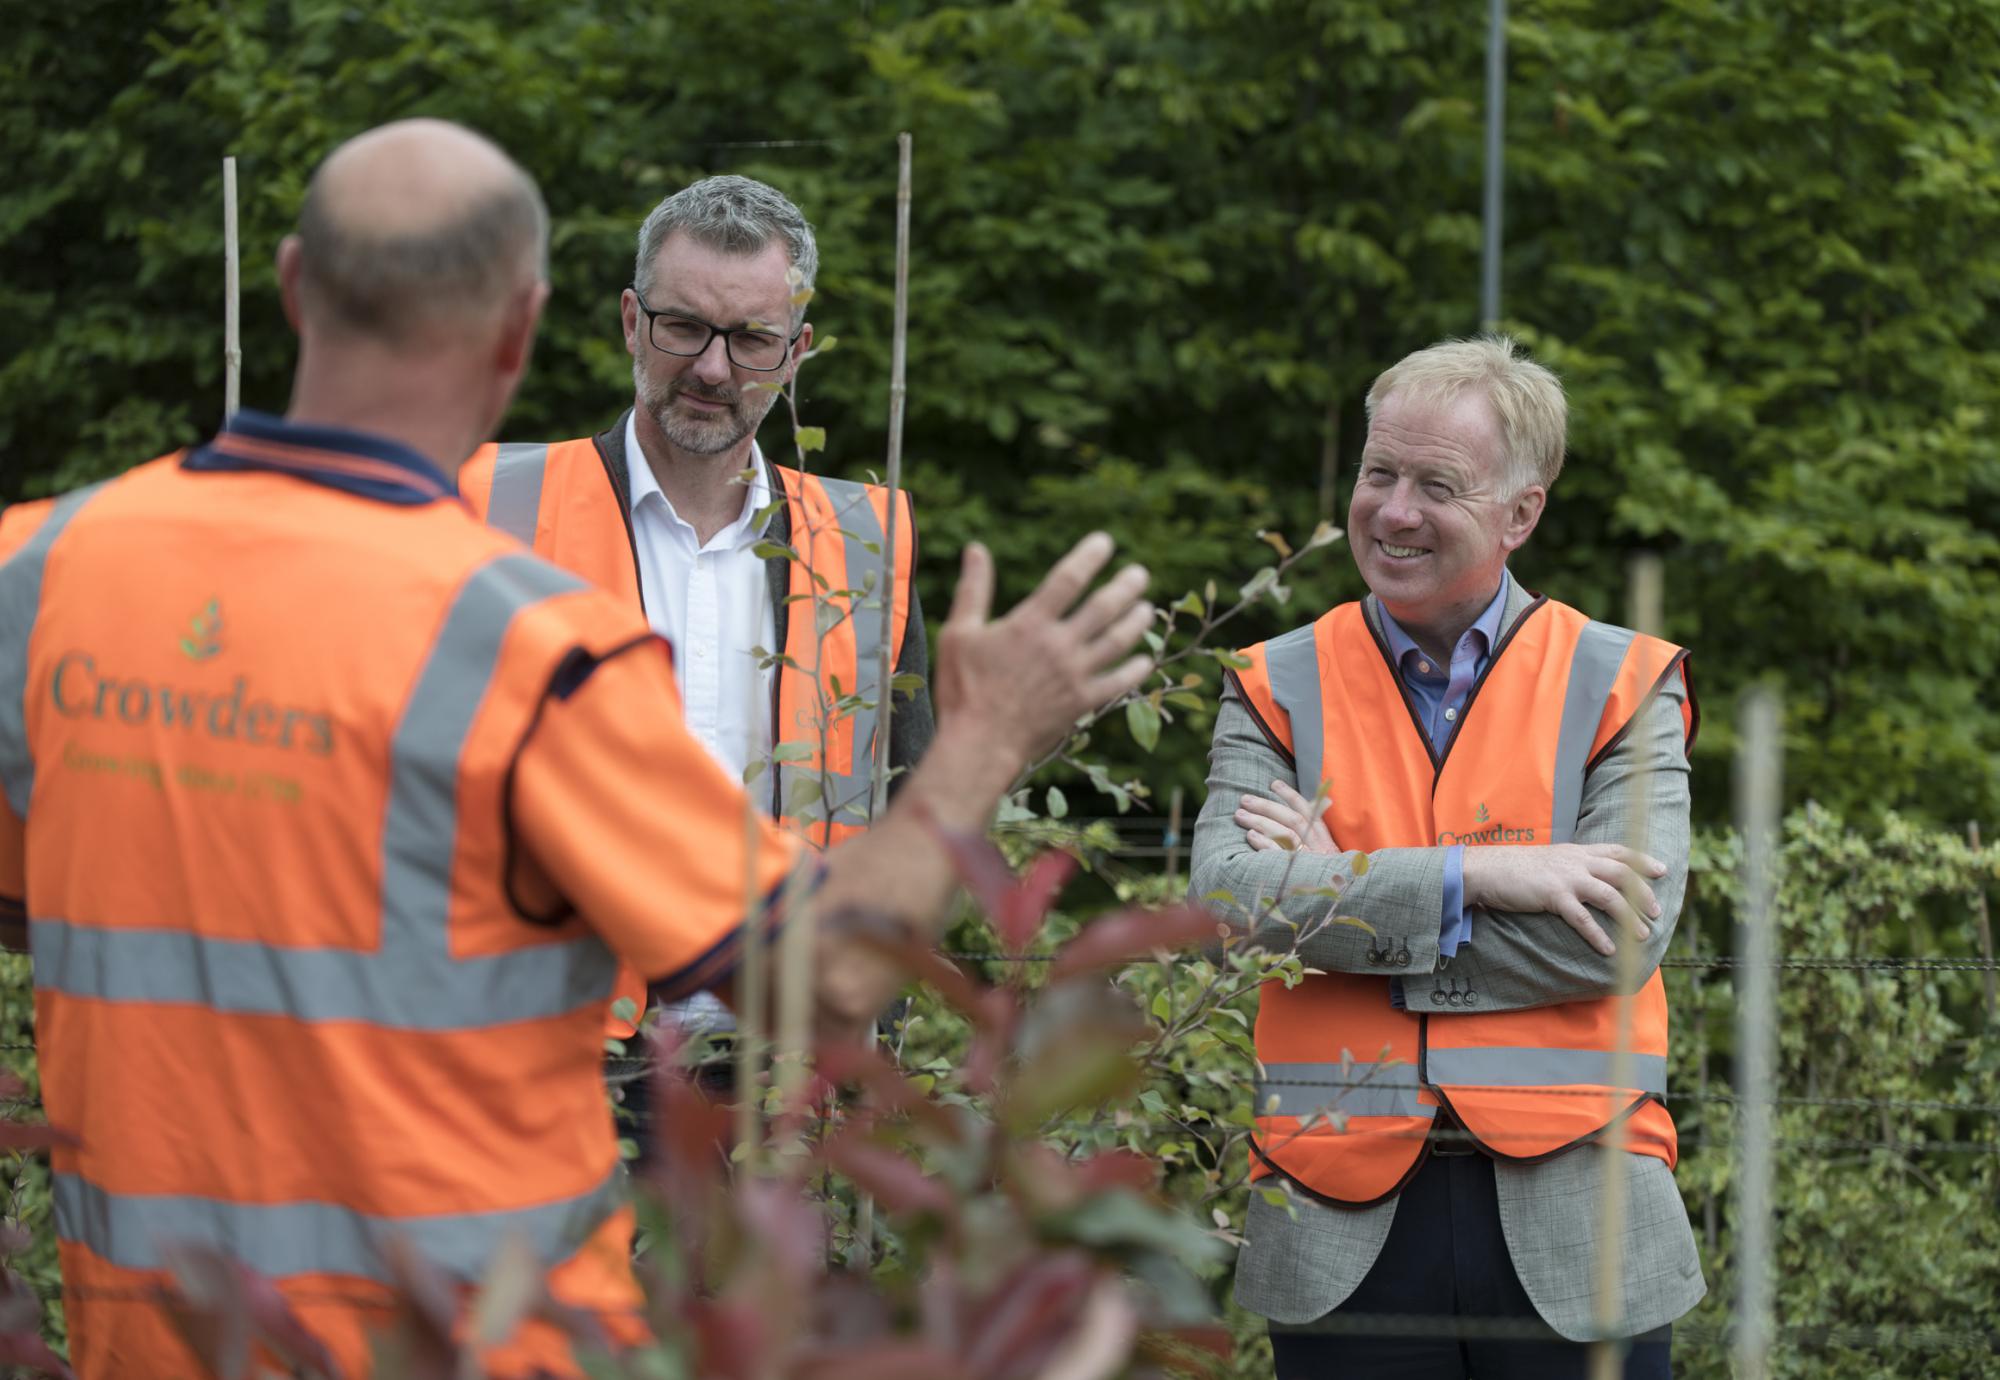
1292,662
1593,672
279,1239
20,602
1507,1067
411,981
515,501
850,791
1302,1090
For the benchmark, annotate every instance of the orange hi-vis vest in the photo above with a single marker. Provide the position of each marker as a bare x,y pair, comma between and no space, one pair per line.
1351,1085
558,498
301,1014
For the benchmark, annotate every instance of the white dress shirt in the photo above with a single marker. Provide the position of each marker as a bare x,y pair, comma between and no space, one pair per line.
713,603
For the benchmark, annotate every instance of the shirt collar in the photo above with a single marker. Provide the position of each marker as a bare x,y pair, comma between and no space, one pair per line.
1486,626
757,496
356,462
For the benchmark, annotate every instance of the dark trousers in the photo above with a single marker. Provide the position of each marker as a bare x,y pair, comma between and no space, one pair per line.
1445,1258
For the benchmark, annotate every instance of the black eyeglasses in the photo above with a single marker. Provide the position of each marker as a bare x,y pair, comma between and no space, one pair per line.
686,336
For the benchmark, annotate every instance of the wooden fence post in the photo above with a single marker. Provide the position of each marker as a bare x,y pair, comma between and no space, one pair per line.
1759,765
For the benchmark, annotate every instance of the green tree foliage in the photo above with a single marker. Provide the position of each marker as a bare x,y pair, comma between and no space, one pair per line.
1161,248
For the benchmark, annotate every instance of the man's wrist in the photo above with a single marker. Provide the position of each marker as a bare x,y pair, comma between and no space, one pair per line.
962,776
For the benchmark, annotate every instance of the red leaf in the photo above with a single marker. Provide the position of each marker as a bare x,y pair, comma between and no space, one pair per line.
426,1311
881,1361
29,1135
1118,1169
1130,934
897,1183
11,1085
207,1307
792,1232
733,1337
1202,1350
1029,1314
980,865
224,1306
27,1349
920,961
885,1090
1026,905
1016,906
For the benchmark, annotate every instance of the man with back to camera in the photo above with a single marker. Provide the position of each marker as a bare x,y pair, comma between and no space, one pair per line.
385,792
655,509
1429,1101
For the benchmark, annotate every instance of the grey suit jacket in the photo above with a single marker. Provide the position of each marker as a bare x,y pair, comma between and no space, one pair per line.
1295,1269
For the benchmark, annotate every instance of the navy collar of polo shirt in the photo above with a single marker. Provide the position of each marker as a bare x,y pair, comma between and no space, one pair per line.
355,462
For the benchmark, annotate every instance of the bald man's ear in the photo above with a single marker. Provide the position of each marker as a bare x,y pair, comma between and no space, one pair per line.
290,260
517,328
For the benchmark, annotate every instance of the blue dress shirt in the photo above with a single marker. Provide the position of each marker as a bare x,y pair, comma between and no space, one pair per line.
1439,693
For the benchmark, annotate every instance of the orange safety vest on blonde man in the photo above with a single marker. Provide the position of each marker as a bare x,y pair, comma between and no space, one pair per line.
322,1004
1559,694
566,499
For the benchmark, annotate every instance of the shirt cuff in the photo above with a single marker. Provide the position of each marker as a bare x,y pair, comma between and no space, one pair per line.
1455,927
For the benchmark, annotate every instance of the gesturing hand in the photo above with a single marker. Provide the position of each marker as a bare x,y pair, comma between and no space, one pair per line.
1287,822
1563,879
1028,677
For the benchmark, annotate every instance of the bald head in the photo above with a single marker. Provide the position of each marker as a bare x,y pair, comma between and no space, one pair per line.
414,229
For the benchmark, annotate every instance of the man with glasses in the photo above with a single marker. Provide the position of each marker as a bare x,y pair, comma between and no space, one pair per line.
770,583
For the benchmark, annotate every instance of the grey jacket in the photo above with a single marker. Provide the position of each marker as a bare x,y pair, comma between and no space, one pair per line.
1295,1270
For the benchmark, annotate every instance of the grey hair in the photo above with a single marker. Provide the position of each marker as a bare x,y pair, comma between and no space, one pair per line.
737,215
1527,398
391,287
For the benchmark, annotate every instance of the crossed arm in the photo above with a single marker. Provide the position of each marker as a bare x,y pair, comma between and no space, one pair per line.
1523,953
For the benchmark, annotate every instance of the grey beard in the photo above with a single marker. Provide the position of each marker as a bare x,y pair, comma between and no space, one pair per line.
701,438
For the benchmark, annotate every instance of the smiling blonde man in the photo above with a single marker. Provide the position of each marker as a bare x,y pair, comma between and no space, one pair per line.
1432,1096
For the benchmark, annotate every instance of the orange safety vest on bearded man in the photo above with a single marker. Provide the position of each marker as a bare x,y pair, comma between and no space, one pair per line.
560,499
1353,1083
260,707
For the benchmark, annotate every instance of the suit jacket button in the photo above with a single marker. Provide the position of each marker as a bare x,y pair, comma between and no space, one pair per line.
1437,997
1471,997
1375,955
1403,957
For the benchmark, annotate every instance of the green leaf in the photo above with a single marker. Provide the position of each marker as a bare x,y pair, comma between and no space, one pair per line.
810,438
773,550
625,1009
906,684
753,769
1058,804
1183,700
791,752
1144,721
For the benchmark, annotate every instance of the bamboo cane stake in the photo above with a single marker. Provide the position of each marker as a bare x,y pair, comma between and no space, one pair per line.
232,345
797,943
1607,1354
751,981
1758,776
878,799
